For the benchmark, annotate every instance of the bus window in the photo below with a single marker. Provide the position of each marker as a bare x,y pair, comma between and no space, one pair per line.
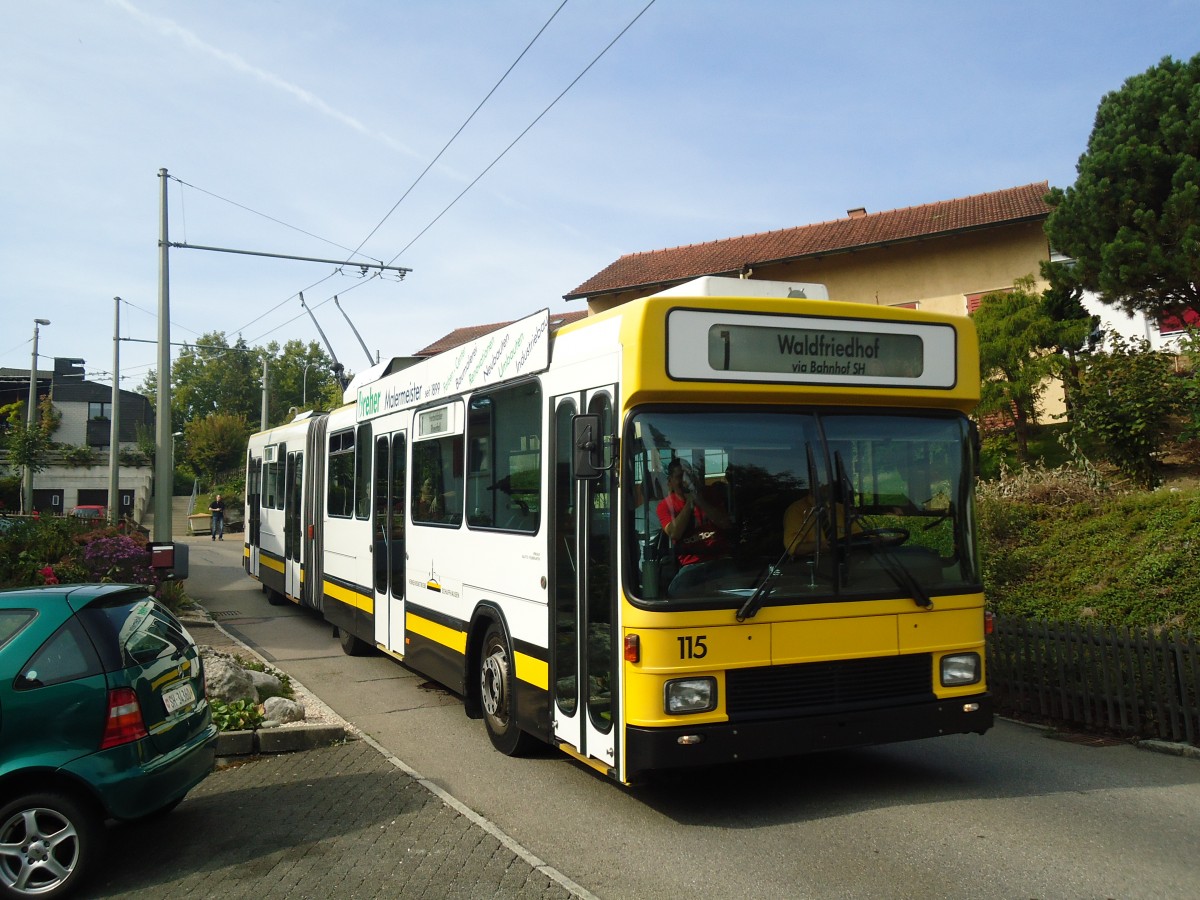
566,554
362,474
437,482
820,506
504,469
397,492
600,597
278,476
382,536
340,494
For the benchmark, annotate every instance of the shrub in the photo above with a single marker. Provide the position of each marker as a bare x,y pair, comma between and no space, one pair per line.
1123,403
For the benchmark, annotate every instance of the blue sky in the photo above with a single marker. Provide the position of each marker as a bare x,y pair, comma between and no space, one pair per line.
296,126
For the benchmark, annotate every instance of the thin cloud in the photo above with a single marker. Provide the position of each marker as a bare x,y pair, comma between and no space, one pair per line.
171,29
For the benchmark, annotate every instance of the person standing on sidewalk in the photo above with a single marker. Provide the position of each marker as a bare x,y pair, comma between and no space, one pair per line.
217,508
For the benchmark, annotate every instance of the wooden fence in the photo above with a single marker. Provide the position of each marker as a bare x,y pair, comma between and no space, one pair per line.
1129,681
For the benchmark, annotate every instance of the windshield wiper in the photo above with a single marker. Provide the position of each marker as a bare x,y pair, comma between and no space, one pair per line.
892,566
763,592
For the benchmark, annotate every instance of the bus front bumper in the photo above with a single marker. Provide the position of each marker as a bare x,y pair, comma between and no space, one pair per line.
654,749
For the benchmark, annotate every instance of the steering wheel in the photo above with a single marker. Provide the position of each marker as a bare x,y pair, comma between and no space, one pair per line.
879,537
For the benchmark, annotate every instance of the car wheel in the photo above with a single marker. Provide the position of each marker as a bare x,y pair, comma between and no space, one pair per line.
48,842
496,695
351,645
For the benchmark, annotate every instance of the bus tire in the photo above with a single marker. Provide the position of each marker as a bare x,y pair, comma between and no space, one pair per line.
497,695
351,645
274,597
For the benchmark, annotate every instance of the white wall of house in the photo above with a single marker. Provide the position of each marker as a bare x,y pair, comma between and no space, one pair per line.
1135,327
72,479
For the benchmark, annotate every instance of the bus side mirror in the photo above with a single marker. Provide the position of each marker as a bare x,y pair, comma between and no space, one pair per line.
588,443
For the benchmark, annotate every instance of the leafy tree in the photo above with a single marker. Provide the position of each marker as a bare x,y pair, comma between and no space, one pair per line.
1073,329
1124,401
1014,360
301,376
215,446
1132,219
213,376
1189,385
29,445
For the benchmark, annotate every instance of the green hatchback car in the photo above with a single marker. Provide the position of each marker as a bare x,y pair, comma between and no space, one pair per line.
103,715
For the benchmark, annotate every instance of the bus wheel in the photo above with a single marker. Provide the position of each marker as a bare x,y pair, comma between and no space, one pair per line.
351,645
496,695
274,597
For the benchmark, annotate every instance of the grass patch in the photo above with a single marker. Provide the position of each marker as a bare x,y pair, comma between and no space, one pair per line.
1056,547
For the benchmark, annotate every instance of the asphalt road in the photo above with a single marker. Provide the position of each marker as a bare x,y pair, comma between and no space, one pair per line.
1010,814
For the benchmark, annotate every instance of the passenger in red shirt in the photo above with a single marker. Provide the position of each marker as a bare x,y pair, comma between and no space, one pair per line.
696,525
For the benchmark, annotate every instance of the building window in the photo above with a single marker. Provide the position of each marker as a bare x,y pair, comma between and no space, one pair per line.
974,300
99,410
1171,324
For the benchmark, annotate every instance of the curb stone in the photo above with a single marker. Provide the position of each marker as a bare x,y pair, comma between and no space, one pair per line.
1186,750
279,740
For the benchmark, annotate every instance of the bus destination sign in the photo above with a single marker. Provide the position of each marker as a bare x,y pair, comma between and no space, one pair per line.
804,351
715,345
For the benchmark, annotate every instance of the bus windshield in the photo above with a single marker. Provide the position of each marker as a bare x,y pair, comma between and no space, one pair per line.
752,507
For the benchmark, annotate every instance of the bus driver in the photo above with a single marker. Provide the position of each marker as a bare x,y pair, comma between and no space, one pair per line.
696,526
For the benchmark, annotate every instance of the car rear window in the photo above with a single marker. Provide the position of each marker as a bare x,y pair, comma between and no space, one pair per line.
128,629
12,621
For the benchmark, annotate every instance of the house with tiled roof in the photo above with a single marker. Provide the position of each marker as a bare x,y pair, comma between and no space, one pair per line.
78,468
939,256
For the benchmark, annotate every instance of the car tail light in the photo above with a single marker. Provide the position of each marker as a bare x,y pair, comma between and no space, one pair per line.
989,623
125,722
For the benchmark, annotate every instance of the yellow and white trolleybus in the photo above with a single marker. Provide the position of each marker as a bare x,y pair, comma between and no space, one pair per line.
725,522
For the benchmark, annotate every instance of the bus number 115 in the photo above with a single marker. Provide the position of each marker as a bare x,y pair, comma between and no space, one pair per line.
692,647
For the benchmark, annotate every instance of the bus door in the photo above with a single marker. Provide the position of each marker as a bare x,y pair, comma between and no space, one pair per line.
253,513
388,548
585,629
292,486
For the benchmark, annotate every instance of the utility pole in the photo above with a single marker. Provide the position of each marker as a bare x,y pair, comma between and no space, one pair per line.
164,458
265,397
31,418
114,415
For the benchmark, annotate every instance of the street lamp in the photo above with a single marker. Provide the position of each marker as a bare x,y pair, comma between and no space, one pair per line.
30,415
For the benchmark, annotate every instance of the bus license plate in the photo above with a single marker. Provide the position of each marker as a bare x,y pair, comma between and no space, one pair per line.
178,697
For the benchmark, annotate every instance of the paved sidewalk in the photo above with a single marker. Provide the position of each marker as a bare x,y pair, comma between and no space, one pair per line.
337,822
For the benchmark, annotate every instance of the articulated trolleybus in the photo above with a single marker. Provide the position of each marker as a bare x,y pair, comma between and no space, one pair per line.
724,522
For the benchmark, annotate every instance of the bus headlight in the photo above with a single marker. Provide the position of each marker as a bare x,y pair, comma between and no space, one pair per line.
962,668
690,695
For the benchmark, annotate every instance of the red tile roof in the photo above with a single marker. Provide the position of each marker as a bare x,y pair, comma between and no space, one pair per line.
461,335
728,256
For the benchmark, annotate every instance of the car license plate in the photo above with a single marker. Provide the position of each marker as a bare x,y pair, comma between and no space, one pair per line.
178,697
